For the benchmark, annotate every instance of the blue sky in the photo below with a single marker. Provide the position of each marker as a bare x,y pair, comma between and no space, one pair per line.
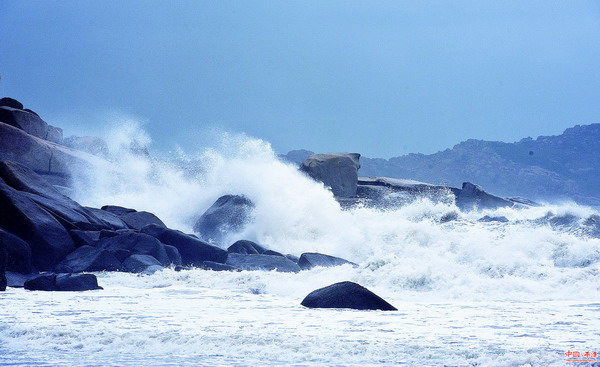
380,78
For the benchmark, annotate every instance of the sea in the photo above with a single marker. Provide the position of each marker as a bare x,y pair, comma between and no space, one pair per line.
525,292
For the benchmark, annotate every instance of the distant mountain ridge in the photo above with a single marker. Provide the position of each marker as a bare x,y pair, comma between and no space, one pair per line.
565,166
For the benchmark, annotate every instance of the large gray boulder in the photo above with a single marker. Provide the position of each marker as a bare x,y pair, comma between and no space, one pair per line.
336,170
50,242
40,155
30,123
346,295
229,214
65,210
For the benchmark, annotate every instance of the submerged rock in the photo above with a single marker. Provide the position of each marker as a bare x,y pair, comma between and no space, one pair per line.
210,265
346,295
336,170
229,214
309,260
262,262
487,218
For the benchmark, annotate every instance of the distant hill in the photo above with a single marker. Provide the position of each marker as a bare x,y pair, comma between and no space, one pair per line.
565,166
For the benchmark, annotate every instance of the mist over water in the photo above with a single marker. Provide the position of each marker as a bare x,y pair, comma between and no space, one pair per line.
406,250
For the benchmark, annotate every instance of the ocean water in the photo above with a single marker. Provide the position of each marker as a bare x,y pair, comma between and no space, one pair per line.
521,293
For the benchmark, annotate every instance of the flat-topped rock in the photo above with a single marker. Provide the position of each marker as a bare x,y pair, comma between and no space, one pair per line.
336,170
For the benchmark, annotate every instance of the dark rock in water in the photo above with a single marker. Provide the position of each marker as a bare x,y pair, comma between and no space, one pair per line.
262,262
211,265
138,263
487,218
173,254
10,102
42,282
112,220
117,210
17,280
193,251
48,239
89,259
337,170
3,256
592,225
88,238
76,282
309,260
246,247
346,295
139,220
62,282
152,269
30,123
136,243
229,214
449,217
472,196
18,253
89,144
182,268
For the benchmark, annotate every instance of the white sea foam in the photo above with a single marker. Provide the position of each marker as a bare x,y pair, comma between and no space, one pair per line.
519,293
405,249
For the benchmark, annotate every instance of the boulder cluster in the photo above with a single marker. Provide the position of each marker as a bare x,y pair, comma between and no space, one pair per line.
339,172
49,242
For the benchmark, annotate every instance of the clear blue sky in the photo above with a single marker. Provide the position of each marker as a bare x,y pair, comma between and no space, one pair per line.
381,78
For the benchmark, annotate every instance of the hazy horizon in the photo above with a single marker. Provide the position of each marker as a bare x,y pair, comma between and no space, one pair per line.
382,79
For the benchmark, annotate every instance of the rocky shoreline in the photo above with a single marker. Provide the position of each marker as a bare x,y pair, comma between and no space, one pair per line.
50,242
